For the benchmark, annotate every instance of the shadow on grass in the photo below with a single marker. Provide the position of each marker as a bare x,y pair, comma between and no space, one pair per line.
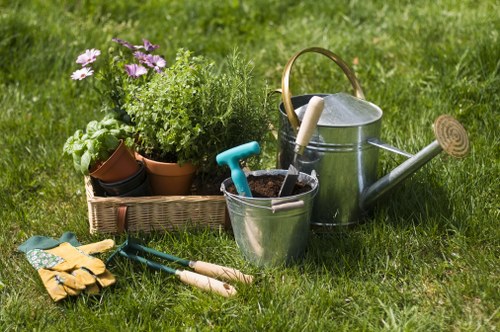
418,206
417,202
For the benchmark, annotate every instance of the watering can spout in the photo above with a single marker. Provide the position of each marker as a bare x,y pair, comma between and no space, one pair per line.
450,137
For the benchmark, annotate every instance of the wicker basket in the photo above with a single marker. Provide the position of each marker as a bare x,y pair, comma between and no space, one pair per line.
113,215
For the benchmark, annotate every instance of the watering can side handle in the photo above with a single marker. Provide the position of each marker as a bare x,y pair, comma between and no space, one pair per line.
285,79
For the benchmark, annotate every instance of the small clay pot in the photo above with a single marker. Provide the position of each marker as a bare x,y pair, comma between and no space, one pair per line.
133,186
169,178
120,165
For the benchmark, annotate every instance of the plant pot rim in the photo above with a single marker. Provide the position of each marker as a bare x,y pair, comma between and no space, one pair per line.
163,168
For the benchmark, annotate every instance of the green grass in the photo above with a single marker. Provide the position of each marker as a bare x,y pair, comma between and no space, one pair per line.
426,260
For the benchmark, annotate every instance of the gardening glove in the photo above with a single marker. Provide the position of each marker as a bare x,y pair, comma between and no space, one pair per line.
75,259
96,247
91,280
76,266
87,269
65,248
59,284
105,279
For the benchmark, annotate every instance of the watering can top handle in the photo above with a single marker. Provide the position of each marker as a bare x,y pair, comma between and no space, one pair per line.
287,95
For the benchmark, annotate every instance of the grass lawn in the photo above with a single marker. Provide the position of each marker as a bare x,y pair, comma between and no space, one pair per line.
426,260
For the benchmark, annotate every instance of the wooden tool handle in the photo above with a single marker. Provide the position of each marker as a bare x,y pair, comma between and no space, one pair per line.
309,122
217,271
206,283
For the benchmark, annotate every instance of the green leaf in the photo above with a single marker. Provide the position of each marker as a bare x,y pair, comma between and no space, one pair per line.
85,162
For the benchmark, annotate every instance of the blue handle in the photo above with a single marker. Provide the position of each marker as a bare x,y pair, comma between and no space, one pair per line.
231,158
240,182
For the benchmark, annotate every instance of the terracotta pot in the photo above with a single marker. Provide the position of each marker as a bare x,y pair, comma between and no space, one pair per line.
169,179
120,165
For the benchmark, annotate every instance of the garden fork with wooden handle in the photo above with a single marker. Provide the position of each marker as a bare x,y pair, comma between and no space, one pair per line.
203,277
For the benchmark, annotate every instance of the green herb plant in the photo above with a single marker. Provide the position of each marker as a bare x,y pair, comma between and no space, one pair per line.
165,113
192,111
236,109
94,146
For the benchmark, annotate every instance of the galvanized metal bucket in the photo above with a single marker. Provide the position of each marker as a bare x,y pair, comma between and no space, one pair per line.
339,150
271,231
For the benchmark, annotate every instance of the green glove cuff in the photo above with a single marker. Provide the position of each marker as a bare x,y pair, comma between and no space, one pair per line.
69,237
44,242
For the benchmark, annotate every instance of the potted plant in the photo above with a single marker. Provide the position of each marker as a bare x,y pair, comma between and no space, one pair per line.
191,111
182,114
101,152
113,135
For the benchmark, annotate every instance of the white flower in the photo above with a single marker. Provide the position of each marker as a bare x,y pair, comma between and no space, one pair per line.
82,73
88,56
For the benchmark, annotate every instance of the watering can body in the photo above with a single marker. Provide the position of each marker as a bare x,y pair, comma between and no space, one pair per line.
344,150
344,160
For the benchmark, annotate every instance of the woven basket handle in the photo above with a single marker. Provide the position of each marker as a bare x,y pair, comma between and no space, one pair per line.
285,79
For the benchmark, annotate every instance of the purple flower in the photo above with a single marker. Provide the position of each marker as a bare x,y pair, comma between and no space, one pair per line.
142,57
135,70
82,73
148,46
125,43
88,57
155,61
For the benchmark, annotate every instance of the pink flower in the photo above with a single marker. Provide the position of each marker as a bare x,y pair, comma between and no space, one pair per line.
88,57
155,61
142,57
148,46
135,70
124,43
82,73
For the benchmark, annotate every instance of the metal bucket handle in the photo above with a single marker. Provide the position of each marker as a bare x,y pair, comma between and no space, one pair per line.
287,95
276,205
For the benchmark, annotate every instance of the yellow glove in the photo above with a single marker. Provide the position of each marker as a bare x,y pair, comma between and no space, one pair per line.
75,259
90,280
97,247
66,270
105,279
59,284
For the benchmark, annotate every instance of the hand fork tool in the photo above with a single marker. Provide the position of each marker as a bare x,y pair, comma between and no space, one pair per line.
204,281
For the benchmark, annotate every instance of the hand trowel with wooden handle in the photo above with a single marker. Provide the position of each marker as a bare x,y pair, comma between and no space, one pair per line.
306,129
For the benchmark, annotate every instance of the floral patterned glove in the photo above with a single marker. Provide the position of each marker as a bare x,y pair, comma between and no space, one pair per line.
59,284
66,270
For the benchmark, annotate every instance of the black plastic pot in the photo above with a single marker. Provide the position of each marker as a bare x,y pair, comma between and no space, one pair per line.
136,185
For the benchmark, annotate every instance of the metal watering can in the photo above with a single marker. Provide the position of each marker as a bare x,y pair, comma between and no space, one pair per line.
344,149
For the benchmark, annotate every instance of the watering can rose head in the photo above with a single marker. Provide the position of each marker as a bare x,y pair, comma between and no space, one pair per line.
119,74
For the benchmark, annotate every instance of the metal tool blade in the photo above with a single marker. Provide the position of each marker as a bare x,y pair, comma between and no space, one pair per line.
289,182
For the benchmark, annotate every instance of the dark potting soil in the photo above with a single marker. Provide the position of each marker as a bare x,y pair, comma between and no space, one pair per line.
267,186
